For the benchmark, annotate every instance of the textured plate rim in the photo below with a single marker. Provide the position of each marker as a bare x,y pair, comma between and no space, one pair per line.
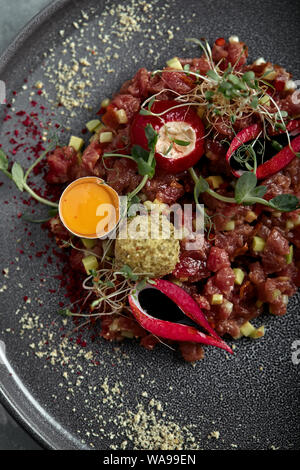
41,17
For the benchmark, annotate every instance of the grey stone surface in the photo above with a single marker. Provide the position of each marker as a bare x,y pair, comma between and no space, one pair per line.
14,14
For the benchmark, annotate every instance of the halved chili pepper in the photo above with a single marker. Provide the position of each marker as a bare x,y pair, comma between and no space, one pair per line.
167,311
180,135
278,161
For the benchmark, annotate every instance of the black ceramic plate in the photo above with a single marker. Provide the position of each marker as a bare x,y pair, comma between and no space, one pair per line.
102,395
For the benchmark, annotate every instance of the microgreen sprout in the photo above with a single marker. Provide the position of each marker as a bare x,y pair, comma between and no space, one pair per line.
19,177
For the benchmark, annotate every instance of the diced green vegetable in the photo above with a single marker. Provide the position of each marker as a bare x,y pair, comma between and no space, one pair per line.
92,125
122,116
217,299
258,244
88,243
227,306
106,137
90,263
105,103
258,333
265,100
76,142
215,181
229,226
239,276
276,293
247,329
259,303
289,256
250,216
174,63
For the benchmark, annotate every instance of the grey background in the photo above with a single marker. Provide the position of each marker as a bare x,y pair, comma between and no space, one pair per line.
14,14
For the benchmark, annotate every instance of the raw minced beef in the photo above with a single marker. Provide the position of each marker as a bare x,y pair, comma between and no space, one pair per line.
268,275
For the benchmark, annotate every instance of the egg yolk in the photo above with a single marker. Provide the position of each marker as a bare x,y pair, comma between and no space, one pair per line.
89,208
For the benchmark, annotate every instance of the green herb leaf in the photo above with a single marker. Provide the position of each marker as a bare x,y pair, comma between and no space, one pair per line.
18,175
151,103
209,95
53,212
248,76
152,137
254,102
65,312
128,273
259,191
182,143
201,186
285,203
141,156
145,112
245,186
3,161
169,149
213,75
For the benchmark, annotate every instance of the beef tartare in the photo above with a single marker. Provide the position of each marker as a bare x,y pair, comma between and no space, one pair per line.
223,136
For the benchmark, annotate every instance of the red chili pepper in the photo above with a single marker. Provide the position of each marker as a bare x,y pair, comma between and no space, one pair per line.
278,161
220,42
179,157
245,135
176,331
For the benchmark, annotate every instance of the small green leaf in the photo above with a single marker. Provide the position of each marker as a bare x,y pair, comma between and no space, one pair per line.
201,186
152,137
18,175
285,203
53,212
169,149
182,143
128,273
3,161
209,95
248,76
151,103
138,152
259,191
145,112
145,168
245,186
254,102
213,75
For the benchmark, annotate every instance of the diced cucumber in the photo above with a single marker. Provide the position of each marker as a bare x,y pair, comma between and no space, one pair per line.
258,333
90,263
215,181
122,116
217,299
247,329
106,137
92,125
239,276
174,63
105,103
76,142
229,226
250,216
289,256
258,244
88,243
